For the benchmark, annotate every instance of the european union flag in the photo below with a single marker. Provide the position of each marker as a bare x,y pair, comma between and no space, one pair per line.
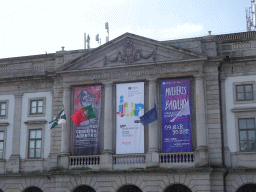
149,117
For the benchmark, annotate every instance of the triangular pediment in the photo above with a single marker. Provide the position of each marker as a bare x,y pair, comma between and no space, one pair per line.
129,50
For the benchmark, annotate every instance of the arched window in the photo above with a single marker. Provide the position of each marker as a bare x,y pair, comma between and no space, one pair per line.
84,188
177,188
129,188
247,188
33,189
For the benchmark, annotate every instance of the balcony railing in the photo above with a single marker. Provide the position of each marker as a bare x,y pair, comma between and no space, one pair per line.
91,161
129,161
177,159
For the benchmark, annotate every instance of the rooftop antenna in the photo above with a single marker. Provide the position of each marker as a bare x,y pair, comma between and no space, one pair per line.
84,40
251,17
98,39
88,42
106,27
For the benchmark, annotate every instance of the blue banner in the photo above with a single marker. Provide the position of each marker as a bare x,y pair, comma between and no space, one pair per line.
176,127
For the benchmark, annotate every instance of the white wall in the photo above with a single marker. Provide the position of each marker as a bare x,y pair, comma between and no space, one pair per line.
24,118
231,129
9,130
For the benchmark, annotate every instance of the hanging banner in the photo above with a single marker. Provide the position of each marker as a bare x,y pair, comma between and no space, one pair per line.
86,135
130,106
176,127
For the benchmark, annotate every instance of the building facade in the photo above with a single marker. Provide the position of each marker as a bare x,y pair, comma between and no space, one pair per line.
211,147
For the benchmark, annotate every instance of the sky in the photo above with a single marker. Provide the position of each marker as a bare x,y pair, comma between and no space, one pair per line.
36,27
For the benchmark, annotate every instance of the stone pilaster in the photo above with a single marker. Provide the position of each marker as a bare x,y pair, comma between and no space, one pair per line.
152,156
107,156
14,160
202,149
65,139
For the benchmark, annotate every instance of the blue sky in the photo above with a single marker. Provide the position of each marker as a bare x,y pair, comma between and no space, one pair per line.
36,27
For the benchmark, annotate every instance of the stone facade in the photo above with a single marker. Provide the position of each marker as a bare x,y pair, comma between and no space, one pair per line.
215,66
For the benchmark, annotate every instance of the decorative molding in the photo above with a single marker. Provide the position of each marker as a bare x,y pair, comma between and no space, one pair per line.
130,54
32,122
244,109
5,124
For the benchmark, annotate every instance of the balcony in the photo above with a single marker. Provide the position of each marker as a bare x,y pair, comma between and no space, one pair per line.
172,160
90,161
129,161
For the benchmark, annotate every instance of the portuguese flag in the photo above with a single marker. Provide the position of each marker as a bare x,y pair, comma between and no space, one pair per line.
83,114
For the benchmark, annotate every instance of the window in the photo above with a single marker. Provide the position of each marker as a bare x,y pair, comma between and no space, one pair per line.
246,128
35,143
1,145
36,106
244,92
3,109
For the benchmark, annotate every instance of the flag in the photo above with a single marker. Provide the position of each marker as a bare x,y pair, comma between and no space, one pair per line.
184,111
149,117
59,119
83,114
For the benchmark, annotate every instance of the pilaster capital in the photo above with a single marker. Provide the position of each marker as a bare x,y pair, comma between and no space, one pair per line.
66,87
18,94
108,83
152,80
199,77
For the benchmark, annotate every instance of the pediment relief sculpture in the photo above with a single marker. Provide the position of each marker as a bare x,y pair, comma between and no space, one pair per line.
130,54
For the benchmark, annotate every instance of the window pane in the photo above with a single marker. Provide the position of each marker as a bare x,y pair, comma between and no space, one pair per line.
1,154
248,88
33,103
40,103
38,152
243,135
32,134
38,134
3,105
38,144
31,153
239,89
251,145
242,123
32,144
251,135
250,123
33,110
3,112
240,96
248,96
1,135
40,109
1,146
243,145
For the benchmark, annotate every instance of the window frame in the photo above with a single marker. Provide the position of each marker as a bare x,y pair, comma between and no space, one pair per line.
6,109
243,113
244,92
34,125
235,99
30,105
3,128
247,139
34,144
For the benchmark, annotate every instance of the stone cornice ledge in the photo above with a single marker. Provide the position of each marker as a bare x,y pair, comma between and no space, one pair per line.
4,124
243,109
32,122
